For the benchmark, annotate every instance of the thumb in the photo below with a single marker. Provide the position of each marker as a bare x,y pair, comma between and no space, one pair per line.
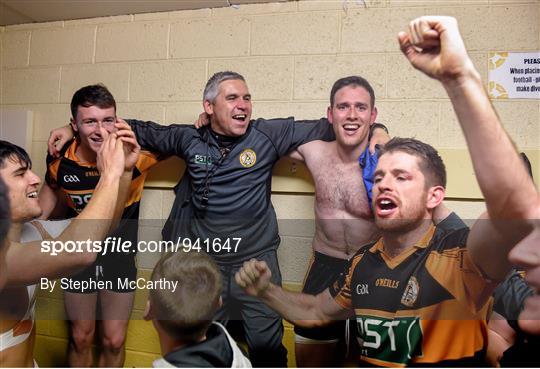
261,266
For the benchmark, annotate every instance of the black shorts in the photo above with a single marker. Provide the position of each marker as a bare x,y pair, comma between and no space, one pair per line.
112,269
322,272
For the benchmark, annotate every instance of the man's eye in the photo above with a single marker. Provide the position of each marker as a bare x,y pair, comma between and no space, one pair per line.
377,179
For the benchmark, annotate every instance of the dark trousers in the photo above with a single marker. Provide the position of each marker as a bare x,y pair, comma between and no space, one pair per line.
262,326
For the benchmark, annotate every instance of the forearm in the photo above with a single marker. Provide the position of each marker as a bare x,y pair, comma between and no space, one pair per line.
123,193
95,220
298,308
34,260
498,168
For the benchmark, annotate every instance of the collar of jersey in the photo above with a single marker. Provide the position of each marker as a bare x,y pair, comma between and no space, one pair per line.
393,262
206,135
71,153
421,244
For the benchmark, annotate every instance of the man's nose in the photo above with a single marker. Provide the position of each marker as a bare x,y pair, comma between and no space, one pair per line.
34,178
383,185
352,113
241,104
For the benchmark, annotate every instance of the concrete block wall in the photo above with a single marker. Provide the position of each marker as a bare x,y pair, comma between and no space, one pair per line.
156,65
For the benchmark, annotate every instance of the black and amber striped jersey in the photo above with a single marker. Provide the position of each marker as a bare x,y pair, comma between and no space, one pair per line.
426,306
77,180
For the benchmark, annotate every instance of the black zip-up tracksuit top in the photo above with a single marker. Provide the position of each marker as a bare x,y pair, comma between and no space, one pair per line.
225,195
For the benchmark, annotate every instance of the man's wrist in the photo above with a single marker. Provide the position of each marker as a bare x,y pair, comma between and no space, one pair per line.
462,80
109,178
267,292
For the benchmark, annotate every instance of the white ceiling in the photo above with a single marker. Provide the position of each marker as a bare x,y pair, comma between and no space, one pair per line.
30,11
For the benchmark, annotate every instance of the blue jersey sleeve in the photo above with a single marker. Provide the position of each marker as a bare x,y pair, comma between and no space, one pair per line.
368,163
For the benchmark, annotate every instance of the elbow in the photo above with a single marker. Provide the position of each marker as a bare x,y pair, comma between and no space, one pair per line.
311,323
313,319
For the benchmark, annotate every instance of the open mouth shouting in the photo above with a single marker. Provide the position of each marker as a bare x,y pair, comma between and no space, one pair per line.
385,206
32,195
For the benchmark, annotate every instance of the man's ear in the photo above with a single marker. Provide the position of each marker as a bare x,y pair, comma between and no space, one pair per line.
374,113
208,107
435,196
329,115
73,125
148,311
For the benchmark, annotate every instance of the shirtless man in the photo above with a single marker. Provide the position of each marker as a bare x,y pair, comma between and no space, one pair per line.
420,290
343,216
27,263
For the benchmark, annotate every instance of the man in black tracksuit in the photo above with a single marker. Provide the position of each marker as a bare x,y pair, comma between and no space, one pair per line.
223,205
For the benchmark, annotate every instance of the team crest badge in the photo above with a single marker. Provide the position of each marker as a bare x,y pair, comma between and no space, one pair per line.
248,158
411,292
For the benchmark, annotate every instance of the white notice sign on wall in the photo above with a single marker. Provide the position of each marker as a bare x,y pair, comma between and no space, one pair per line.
514,75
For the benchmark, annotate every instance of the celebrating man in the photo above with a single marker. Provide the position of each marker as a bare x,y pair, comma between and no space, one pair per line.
419,288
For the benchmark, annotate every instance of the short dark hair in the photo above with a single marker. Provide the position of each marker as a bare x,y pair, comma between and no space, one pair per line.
5,219
187,313
9,151
431,164
92,95
352,81
212,86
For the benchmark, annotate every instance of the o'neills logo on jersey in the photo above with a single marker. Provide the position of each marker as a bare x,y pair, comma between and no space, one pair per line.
71,178
411,292
248,158
91,173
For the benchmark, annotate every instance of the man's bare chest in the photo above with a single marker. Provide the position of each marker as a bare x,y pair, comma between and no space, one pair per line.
339,188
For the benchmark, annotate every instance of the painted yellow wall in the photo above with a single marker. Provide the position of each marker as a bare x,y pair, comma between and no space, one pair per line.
156,65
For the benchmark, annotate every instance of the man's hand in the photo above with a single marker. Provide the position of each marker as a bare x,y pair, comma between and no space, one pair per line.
58,138
132,148
254,277
434,46
379,137
204,120
111,158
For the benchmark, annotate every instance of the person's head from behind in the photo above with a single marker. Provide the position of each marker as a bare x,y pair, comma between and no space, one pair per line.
226,99
352,110
21,182
185,314
92,107
409,182
4,229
